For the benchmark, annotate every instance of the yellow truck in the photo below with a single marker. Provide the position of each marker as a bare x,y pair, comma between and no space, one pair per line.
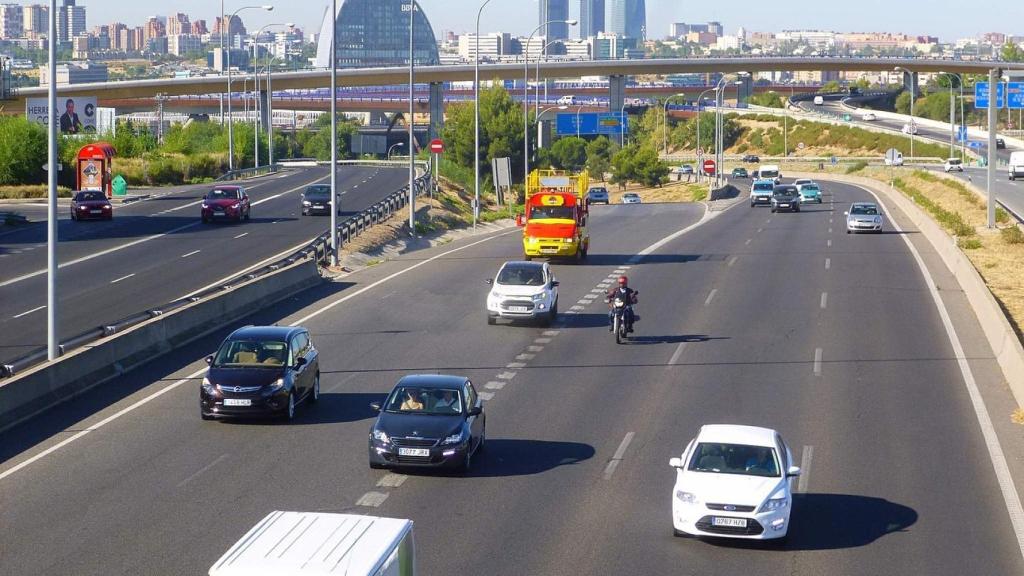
555,219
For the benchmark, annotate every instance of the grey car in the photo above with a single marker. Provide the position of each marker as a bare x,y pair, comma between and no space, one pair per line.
785,197
597,195
864,217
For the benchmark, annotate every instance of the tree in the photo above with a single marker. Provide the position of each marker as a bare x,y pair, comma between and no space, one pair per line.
903,103
831,86
501,131
1012,52
569,154
768,100
636,163
22,151
599,156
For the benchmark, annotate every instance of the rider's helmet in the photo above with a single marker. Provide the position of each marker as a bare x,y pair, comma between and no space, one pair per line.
623,281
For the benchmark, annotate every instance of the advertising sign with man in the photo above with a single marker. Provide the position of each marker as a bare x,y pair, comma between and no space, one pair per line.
77,113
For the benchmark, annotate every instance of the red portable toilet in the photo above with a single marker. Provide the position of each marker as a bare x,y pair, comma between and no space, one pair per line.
95,167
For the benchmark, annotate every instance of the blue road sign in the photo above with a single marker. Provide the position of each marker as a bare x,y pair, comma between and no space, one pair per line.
982,91
592,123
962,133
1015,95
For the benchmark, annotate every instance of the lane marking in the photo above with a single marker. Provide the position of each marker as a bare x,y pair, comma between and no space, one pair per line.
551,332
577,308
614,463
817,361
829,230
544,340
828,263
759,230
507,375
485,395
829,242
824,300
526,357
193,253
29,312
676,355
122,278
495,385
749,240
711,297
805,469
768,221
515,365
534,348
242,235
201,470
731,261
372,499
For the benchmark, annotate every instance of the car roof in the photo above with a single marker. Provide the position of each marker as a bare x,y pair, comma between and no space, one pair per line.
265,332
432,381
228,187
737,434
523,264
631,194
865,204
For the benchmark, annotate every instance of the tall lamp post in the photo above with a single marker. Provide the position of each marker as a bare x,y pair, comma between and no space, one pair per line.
526,97
476,116
952,111
227,24
664,127
700,99
52,348
270,96
413,5
536,76
393,146
335,198
913,96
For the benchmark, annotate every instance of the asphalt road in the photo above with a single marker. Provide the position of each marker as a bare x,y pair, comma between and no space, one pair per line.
768,319
157,250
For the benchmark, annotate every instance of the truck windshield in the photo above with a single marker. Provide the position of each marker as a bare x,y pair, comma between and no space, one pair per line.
552,212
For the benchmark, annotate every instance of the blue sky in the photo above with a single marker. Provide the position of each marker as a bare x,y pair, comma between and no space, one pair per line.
520,16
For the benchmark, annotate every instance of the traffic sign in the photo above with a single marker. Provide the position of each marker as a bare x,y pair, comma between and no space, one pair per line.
709,167
592,123
1008,95
962,134
892,155
436,146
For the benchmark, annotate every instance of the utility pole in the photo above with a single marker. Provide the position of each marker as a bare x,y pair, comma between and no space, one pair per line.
412,103
52,337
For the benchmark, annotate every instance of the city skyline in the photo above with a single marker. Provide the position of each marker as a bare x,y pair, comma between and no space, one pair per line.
506,16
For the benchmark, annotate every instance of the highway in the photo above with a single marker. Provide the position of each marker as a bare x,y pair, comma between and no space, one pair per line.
780,320
157,250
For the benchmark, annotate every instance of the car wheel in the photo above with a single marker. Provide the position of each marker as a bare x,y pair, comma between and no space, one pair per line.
289,413
491,320
467,462
483,440
315,397
248,214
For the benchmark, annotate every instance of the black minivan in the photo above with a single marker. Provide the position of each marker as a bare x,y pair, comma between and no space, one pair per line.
261,371
316,200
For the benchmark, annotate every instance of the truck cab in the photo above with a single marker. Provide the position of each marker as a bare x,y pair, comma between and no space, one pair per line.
555,219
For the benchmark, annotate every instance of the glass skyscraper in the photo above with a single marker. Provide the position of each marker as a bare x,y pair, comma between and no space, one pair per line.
554,10
375,33
626,17
591,18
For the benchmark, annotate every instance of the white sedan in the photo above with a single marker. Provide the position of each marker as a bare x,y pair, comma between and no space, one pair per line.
869,117
631,198
734,481
910,129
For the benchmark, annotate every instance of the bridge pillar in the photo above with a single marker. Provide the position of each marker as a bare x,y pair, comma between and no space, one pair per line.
436,109
616,93
910,83
744,90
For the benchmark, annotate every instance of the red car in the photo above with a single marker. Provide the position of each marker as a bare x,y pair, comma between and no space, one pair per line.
91,205
226,203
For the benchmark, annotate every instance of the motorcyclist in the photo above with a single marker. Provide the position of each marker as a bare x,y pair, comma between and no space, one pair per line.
628,296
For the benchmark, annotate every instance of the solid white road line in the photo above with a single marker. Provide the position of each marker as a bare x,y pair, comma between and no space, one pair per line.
817,361
122,278
824,300
619,454
988,432
805,469
29,312
711,297
201,470
676,355
193,253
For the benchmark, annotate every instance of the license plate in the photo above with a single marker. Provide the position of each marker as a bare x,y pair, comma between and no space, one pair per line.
549,250
420,452
730,522
318,206
518,309
783,205
95,211
237,402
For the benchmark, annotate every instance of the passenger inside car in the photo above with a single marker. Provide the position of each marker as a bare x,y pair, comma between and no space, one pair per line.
447,402
411,401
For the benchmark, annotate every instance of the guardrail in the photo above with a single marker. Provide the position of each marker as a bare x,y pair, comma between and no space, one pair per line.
318,250
247,173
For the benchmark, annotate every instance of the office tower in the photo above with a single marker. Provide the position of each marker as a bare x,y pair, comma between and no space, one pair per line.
591,17
554,10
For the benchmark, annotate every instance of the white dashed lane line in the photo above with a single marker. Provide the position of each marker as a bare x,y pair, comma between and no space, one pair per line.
817,361
506,375
676,355
609,470
192,253
824,300
372,499
711,297
731,261
805,469
494,385
29,312
242,235
122,278
391,480
749,240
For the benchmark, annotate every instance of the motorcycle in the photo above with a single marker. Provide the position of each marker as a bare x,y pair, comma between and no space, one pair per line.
619,327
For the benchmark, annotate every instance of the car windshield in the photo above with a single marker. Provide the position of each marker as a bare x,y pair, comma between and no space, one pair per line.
735,459
785,191
769,173
954,161
864,210
630,196
251,353
764,187
89,196
521,276
552,212
318,192
431,401
809,188
222,194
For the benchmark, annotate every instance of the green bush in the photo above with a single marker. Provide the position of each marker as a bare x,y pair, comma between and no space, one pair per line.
952,221
1012,235
23,150
969,243
856,167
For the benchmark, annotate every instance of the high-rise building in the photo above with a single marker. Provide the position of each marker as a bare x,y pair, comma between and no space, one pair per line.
178,24
70,21
12,21
615,17
35,20
376,33
154,28
182,44
591,17
199,28
554,10
636,19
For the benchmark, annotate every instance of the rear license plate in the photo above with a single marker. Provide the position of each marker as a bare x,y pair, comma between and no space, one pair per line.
730,522
237,402
518,309
419,452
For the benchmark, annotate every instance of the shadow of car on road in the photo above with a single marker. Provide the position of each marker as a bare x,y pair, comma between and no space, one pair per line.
503,457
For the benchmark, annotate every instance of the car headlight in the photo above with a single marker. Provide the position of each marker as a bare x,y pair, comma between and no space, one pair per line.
878,219
277,384
205,205
774,504
567,240
686,497
381,436
235,206
306,203
539,297
532,239
209,387
453,439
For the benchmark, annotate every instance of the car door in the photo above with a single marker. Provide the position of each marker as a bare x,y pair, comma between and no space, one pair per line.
476,423
297,346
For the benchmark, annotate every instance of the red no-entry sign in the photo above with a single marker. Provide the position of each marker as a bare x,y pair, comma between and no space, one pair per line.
709,166
436,146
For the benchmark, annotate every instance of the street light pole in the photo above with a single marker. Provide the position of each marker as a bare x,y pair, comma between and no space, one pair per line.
622,127
335,198
257,103
231,124
536,77
52,337
526,98
393,146
700,99
476,116
270,95
993,77
412,103
913,96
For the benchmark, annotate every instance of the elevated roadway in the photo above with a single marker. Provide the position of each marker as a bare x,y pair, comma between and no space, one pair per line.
778,320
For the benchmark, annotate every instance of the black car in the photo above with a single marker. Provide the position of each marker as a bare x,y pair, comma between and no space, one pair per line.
751,159
1000,144
428,420
261,371
740,173
785,197
316,200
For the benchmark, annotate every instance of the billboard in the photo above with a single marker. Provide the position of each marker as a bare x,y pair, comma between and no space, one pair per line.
592,124
77,113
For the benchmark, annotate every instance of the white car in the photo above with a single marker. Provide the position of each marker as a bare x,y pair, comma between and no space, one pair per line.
523,291
910,128
801,181
954,165
735,482
631,198
869,117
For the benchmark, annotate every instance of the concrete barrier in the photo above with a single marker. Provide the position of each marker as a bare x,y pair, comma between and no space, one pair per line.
49,384
999,333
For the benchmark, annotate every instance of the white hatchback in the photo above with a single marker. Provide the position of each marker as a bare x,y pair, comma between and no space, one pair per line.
523,291
735,482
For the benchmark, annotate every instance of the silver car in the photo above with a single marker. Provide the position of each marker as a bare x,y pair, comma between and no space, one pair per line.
863,217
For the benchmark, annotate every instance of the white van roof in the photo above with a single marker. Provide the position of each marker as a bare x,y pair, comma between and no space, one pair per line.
769,167
304,543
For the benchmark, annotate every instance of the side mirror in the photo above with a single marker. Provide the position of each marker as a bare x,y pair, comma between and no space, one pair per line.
555,283
793,472
375,406
675,462
209,360
300,362
475,411
519,220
